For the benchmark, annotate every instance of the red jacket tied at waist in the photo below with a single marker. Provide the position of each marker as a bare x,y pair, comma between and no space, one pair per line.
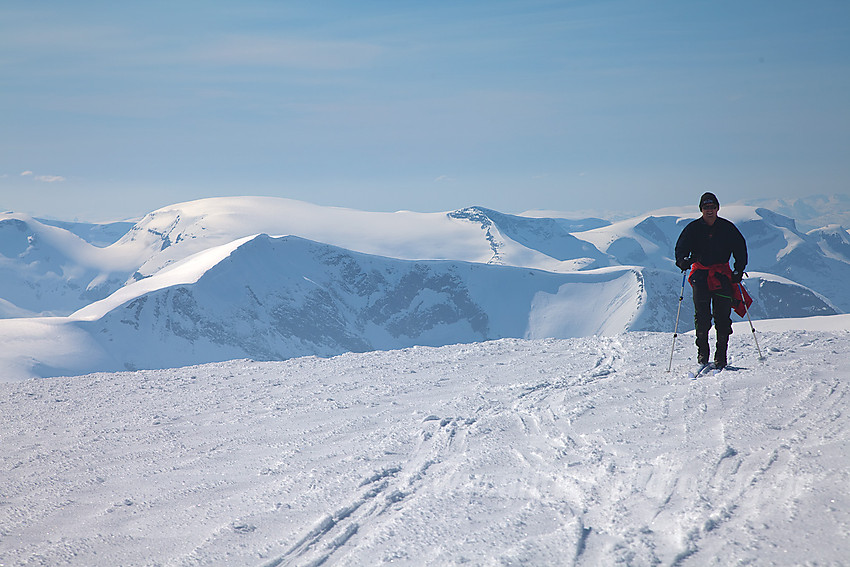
741,300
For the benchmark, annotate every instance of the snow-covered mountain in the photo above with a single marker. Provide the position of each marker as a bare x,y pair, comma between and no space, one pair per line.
273,278
275,298
98,234
173,233
49,270
810,212
774,245
834,241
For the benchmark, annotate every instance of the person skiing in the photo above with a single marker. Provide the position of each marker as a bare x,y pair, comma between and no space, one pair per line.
705,247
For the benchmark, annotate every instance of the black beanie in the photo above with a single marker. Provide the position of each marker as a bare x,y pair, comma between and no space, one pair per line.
708,198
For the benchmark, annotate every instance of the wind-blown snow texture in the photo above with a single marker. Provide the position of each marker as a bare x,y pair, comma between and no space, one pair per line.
212,280
512,452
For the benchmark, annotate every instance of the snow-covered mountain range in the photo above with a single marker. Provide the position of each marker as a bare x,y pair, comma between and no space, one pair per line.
269,279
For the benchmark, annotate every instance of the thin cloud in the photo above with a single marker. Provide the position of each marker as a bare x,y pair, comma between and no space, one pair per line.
49,178
43,178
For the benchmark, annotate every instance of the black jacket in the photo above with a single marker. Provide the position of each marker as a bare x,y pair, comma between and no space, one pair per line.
712,244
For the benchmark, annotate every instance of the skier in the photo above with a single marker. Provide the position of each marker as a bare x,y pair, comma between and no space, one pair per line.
705,247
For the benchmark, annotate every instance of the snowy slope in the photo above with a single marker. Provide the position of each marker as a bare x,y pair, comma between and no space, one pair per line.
48,270
275,298
512,452
646,240
172,233
649,240
549,236
811,212
98,234
834,241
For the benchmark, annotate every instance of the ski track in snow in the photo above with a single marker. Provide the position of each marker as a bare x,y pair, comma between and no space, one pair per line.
547,452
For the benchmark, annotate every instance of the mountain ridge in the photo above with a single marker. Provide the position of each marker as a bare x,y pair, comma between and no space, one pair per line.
490,276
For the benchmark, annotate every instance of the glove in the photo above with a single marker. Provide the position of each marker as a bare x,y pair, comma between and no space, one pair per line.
737,276
684,264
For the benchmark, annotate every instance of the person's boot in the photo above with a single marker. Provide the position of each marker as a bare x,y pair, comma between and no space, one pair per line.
720,351
702,348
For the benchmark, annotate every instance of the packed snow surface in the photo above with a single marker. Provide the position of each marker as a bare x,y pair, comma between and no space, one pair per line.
582,451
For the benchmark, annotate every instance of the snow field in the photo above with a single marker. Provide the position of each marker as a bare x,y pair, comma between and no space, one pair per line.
582,451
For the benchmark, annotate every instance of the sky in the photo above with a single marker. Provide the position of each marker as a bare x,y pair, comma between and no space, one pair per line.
109,110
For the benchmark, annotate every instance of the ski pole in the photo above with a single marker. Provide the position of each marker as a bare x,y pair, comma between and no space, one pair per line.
753,329
678,311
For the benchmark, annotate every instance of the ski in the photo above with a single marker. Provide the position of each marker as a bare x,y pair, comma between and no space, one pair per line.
710,369
701,370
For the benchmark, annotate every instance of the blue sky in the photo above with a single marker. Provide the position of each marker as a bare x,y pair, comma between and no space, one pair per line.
113,109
